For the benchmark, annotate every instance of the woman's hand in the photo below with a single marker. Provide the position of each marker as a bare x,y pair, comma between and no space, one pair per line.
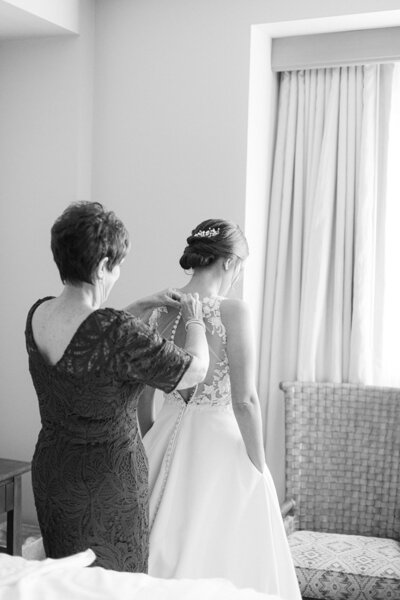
168,297
191,307
143,306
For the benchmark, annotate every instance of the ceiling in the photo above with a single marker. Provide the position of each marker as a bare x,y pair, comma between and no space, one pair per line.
16,23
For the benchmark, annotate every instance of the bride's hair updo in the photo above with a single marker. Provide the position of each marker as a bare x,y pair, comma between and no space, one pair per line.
211,240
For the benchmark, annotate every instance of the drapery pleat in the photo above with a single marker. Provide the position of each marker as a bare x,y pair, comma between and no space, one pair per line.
390,372
366,355
323,254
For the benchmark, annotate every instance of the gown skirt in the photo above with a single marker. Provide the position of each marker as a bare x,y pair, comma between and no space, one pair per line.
212,513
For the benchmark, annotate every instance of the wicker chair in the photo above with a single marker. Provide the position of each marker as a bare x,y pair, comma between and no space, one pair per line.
343,479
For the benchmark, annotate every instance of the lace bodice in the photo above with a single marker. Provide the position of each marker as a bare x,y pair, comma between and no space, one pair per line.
215,390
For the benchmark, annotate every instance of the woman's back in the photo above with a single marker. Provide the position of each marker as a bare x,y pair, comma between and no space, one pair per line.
80,389
54,325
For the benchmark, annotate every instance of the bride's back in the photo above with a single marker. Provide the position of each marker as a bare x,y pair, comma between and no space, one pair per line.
215,389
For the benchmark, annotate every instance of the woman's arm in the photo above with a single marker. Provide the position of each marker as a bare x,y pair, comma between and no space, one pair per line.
241,356
196,345
146,410
192,315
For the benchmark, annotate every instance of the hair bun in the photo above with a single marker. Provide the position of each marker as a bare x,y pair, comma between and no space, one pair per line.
213,239
192,259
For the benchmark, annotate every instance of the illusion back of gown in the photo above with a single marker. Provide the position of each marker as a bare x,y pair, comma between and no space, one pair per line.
215,389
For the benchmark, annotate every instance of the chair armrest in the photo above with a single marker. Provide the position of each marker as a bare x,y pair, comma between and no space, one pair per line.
288,516
287,507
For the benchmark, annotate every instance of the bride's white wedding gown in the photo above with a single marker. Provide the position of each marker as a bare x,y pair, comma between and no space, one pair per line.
212,513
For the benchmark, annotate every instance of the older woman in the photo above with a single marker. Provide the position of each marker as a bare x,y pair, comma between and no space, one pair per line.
89,366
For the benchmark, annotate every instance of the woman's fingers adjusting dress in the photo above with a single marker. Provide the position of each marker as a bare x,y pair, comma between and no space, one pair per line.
196,341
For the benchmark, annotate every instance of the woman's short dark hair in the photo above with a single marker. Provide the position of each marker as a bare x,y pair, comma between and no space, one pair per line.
82,236
213,239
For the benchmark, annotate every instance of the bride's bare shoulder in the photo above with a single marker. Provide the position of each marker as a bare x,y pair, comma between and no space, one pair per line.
234,311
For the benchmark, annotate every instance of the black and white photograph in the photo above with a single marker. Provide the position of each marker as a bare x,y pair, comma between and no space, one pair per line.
200,316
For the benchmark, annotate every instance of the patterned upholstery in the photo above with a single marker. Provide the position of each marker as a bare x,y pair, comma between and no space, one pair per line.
342,470
348,567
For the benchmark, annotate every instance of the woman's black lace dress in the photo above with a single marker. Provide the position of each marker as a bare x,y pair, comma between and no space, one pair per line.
89,469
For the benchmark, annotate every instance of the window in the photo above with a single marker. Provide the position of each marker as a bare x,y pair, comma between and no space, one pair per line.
391,327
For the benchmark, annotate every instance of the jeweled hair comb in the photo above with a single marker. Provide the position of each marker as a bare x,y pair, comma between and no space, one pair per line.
209,233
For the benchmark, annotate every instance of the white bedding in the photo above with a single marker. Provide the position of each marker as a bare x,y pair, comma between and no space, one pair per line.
68,579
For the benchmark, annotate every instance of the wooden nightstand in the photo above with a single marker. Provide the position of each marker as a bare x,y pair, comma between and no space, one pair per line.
10,501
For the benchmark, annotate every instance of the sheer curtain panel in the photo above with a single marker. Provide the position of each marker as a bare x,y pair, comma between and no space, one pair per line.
323,278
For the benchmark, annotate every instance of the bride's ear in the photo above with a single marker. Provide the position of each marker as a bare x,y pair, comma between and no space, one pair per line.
227,263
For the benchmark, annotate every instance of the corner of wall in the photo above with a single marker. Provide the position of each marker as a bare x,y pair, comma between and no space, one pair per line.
261,131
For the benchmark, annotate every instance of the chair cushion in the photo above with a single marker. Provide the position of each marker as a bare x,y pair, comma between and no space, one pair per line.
346,567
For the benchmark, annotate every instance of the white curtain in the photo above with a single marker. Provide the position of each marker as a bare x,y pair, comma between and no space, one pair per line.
390,371
322,317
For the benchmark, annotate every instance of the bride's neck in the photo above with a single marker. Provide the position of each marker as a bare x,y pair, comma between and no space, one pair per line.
205,282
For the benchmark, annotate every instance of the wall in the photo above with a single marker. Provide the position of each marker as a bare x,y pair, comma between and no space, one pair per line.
170,130
45,158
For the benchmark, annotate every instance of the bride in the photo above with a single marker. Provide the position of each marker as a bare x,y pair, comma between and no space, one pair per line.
213,506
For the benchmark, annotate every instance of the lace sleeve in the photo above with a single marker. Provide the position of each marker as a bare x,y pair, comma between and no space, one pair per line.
141,354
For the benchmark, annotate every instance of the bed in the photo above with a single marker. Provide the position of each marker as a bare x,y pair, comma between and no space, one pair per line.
69,579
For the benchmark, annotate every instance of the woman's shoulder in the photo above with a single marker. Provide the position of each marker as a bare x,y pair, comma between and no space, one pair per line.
34,307
234,308
235,314
38,302
115,317
121,321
